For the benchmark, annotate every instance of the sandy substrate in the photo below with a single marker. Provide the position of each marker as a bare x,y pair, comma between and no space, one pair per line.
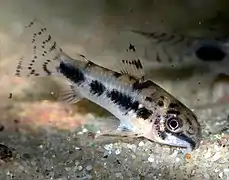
45,139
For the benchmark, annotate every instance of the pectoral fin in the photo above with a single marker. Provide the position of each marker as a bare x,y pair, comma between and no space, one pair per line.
69,94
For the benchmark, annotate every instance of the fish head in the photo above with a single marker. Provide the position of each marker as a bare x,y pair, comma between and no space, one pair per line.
177,126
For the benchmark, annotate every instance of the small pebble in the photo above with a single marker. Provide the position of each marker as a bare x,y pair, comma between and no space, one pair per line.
216,156
89,168
5,152
108,147
77,148
177,159
221,175
141,144
206,176
77,163
80,168
150,159
117,152
79,133
84,130
119,175
68,169
88,176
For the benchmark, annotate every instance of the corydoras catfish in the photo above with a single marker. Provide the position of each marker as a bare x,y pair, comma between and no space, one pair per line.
143,108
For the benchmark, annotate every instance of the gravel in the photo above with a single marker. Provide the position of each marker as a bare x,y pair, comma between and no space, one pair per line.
41,139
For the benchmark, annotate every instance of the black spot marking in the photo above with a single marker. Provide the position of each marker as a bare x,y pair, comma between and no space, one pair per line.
45,68
158,59
173,111
143,113
149,99
210,53
173,105
162,135
97,87
132,48
117,75
49,38
52,47
10,95
2,128
162,97
19,68
122,100
30,24
142,85
160,103
72,73
189,121
138,64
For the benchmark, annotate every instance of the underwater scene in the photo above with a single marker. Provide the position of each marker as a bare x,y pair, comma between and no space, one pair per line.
125,89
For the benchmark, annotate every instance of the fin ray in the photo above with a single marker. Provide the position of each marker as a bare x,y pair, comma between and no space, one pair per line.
41,54
69,94
130,64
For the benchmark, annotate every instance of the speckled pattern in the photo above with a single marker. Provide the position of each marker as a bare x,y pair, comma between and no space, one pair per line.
50,140
64,154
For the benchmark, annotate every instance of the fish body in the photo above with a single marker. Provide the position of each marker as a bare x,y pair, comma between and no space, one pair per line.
143,108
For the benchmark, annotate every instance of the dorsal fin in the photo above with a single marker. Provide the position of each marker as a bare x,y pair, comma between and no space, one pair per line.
81,56
130,64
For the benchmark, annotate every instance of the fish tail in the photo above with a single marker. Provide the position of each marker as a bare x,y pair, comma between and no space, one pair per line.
41,55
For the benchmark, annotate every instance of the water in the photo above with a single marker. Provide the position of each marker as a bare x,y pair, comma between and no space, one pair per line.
46,137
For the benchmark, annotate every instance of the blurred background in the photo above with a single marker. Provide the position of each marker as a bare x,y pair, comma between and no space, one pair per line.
102,30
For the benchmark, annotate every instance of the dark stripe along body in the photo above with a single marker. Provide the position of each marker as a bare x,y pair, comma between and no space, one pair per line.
142,107
128,98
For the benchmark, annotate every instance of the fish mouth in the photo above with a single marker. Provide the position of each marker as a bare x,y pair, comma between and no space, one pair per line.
188,140
182,140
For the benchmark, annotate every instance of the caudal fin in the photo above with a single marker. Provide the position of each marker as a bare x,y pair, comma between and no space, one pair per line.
42,54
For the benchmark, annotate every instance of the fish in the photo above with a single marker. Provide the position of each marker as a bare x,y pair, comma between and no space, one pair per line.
143,108
179,50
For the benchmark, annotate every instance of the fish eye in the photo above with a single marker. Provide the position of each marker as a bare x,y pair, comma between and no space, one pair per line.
173,124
